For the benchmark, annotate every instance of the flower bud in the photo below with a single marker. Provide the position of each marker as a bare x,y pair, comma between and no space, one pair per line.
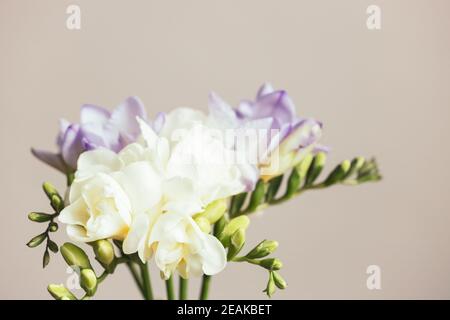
368,172
237,202
59,292
88,281
53,227
49,189
37,240
315,168
279,281
240,222
203,223
220,225
257,196
39,216
104,252
263,249
45,259
75,256
270,288
293,183
304,165
57,203
236,243
274,185
214,211
356,164
271,264
338,173
52,246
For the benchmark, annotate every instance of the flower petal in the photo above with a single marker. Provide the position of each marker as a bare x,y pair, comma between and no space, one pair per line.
124,118
52,159
93,114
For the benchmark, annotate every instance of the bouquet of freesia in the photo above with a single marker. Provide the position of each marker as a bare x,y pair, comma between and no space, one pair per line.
177,190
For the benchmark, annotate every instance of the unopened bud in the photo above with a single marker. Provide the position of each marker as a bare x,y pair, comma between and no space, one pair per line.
53,227
338,173
263,249
293,183
104,252
240,222
279,281
49,189
39,216
203,223
270,288
215,210
59,292
274,186
271,264
75,256
37,240
257,196
88,281
237,241
315,168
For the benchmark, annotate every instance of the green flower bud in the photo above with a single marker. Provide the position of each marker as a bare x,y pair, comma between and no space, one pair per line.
279,281
88,281
270,288
214,211
203,224
37,240
53,227
293,183
75,256
237,202
104,252
338,173
240,222
236,243
57,203
315,168
39,216
304,165
368,172
52,246
274,186
271,264
263,249
59,292
257,196
220,225
356,164
49,190
45,259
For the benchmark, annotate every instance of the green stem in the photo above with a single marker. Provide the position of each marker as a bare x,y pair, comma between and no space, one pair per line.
169,289
205,287
136,277
183,288
147,285
102,277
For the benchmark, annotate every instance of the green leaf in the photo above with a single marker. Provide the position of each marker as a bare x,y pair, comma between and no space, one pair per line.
37,240
39,216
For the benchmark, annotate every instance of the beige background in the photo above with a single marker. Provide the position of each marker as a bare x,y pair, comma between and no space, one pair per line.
383,93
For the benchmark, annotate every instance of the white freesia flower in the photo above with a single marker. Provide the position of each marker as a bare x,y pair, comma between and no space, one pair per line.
147,194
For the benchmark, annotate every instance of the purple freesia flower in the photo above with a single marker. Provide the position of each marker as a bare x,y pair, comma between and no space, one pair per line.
97,128
271,110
